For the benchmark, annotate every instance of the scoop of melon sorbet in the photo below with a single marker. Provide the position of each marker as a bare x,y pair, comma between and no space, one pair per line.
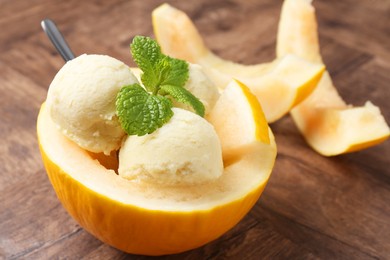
81,101
186,150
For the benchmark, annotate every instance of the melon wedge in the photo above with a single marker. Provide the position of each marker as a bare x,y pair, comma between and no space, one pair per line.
238,117
148,219
329,125
279,85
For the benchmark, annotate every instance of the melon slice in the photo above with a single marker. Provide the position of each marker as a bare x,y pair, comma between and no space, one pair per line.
279,85
239,120
329,125
144,218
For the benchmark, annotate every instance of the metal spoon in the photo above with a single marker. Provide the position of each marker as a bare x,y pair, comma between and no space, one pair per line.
58,40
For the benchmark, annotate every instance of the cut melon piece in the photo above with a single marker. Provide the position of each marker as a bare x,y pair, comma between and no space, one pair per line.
145,218
279,85
238,120
328,124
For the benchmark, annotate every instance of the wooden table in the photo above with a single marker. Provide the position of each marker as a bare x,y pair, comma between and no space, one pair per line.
313,207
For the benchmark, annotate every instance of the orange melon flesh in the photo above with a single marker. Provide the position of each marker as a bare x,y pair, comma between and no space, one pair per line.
329,125
148,219
279,85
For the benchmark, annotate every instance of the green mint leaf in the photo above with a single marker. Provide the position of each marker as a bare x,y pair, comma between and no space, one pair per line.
140,112
147,54
184,96
178,72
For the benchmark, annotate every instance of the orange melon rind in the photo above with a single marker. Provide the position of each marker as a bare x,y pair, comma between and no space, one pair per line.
143,218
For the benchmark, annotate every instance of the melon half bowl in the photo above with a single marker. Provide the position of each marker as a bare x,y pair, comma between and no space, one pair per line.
150,219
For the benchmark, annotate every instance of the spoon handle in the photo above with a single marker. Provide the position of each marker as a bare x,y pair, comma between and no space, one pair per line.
57,39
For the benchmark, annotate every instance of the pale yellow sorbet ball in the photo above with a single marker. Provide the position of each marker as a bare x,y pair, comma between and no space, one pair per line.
186,150
201,87
81,101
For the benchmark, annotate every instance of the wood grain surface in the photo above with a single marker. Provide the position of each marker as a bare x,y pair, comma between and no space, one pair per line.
313,207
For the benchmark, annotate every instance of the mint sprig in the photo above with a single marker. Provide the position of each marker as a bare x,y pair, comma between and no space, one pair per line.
142,111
